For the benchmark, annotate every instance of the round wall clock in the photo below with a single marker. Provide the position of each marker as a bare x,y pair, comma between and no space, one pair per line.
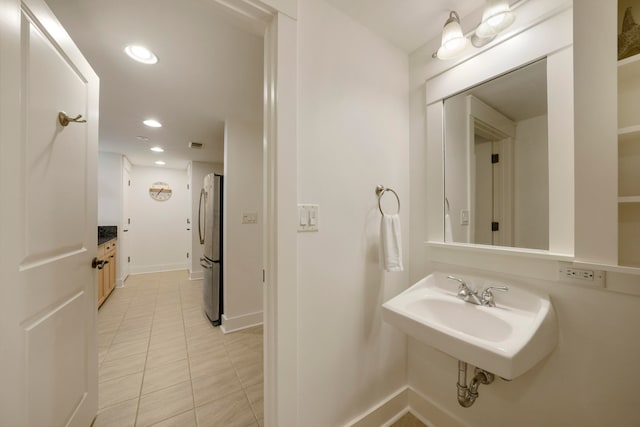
160,191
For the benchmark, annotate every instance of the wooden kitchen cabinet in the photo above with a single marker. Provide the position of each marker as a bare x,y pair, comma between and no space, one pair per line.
107,275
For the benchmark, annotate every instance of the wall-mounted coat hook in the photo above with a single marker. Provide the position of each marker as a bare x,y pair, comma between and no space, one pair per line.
64,120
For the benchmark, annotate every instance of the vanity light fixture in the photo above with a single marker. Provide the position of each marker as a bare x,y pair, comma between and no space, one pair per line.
496,17
152,123
140,54
160,163
453,41
157,149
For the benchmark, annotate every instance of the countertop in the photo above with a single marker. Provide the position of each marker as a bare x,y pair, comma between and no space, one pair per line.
107,233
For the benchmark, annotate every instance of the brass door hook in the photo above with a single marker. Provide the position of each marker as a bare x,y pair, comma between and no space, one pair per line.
65,120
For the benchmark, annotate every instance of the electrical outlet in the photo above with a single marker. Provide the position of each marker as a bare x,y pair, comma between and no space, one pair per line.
569,273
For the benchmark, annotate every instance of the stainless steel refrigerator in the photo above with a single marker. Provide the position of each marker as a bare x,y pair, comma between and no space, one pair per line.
210,232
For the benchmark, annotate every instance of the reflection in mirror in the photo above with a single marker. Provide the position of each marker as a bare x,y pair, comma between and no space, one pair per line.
496,161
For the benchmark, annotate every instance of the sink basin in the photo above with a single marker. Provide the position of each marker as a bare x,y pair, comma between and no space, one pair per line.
507,340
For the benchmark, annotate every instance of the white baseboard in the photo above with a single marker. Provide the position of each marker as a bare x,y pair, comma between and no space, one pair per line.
143,269
386,412
232,324
399,403
120,281
196,275
431,413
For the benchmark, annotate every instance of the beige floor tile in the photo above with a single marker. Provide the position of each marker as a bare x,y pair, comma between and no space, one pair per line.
207,345
230,411
118,390
168,333
182,356
215,385
186,419
120,415
255,394
131,335
165,376
250,373
165,403
202,364
161,343
117,368
127,348
165,356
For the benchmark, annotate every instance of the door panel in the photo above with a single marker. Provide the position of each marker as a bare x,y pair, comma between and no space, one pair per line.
54,160
48,172
56,361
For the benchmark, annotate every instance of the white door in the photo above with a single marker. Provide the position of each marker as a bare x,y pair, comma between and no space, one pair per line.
48,233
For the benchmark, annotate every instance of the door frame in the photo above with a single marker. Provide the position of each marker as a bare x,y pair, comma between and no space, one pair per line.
279,205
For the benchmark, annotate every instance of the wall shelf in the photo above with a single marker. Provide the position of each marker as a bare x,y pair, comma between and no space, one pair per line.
629,162
629,199
629,133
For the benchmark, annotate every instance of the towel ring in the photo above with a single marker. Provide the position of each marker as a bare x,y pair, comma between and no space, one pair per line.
380,190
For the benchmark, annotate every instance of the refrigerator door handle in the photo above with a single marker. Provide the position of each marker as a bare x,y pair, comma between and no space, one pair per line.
205,263
200,231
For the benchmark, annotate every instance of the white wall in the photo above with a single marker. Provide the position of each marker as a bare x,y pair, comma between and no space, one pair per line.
242,250
352,135
158,231
589,378
109,189
531,184
196,173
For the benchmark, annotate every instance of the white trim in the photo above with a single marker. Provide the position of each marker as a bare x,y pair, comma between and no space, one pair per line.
520,262
403,401
504,57
431,413
233,324
280,193
386,412
158,268
196,275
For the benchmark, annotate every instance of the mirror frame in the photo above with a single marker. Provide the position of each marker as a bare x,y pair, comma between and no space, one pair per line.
521,48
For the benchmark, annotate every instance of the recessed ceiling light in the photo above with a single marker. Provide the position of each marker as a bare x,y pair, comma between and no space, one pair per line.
160,163
152,123
140,54
142,138
157,149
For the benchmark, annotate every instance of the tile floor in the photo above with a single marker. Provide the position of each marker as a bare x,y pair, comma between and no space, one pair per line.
161,362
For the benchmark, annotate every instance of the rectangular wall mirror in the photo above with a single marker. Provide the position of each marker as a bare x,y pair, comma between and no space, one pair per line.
496,161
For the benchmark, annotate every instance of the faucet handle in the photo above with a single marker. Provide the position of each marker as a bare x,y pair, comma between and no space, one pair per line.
487,295
460,281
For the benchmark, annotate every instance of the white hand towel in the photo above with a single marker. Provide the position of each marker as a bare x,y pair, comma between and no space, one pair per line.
391,243
448,233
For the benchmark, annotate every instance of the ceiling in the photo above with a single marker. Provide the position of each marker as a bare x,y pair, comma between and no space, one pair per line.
209,69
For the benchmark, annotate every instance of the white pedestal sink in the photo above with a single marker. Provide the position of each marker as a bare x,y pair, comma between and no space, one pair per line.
507,340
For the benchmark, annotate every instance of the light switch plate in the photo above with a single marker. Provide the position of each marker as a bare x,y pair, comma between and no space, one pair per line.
308,217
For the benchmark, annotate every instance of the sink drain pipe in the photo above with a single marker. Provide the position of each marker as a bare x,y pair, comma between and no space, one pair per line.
468,395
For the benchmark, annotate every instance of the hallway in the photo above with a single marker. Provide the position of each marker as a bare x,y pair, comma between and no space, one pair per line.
161,362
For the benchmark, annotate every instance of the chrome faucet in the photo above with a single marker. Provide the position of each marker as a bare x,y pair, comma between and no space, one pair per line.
465,293
471,296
